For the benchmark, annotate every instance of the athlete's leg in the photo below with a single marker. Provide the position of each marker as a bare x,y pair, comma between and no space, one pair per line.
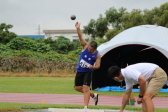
79,82
80,89
156,82
87,93
86,88
147,102
144,106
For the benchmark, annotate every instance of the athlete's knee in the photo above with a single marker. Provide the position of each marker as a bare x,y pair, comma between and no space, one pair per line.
147,97
78,88
86,88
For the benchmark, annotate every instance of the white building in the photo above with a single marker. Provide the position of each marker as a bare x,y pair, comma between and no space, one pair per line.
70,34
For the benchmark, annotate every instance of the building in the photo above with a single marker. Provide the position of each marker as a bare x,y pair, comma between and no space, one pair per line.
32,36
70,34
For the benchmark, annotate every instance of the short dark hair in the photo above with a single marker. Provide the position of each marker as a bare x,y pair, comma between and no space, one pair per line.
93,44
114,71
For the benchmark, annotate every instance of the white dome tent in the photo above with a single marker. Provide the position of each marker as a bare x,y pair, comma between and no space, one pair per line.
145,43
150,35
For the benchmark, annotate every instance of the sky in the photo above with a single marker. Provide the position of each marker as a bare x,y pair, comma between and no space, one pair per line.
27,15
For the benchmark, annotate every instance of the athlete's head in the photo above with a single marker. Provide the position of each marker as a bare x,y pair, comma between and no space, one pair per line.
92,47
114,72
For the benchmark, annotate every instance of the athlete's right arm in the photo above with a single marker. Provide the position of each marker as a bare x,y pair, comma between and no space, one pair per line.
125,98
81,39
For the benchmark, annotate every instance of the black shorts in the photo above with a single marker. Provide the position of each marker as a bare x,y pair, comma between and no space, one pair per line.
83,78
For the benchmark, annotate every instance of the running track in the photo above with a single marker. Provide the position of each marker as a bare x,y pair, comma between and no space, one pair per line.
106,100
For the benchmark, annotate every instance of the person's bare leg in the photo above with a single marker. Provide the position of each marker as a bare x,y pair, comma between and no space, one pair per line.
80,89
144,107
147,100
86,91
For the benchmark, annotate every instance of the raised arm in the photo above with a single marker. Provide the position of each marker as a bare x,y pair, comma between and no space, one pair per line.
81,39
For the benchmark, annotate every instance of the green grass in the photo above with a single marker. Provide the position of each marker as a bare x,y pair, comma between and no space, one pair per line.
51,85
22,106
37,85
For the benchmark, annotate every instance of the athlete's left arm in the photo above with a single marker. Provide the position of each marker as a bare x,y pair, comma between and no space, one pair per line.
97,63
142,83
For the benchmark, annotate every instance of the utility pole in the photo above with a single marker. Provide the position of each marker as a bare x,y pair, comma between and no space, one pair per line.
39,30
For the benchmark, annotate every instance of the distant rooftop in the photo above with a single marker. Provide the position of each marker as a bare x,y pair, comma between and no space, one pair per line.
60,31
32,36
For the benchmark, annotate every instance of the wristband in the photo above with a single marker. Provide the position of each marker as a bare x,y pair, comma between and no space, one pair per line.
140,96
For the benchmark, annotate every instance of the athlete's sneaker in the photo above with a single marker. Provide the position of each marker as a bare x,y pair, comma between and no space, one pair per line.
95,98
85,108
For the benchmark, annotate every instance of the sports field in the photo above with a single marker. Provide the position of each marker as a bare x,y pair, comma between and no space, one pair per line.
50,85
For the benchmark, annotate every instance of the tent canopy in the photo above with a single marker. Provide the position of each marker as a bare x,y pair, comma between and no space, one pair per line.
150,35
145,43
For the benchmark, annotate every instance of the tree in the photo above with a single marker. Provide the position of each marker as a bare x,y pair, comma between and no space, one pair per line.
161,15
90,28
113,16
101,26
134,18
5,34
20,43
51,42
96,28
100,41
4,48
63,45
148,16
76,44
112,33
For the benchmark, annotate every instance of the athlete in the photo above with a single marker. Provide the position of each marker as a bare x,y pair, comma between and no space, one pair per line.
150,78
89,60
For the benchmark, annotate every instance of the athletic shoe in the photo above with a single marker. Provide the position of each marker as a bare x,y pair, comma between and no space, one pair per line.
95,98
85,108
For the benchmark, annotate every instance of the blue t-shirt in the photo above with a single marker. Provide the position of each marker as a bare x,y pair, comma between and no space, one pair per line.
85,60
